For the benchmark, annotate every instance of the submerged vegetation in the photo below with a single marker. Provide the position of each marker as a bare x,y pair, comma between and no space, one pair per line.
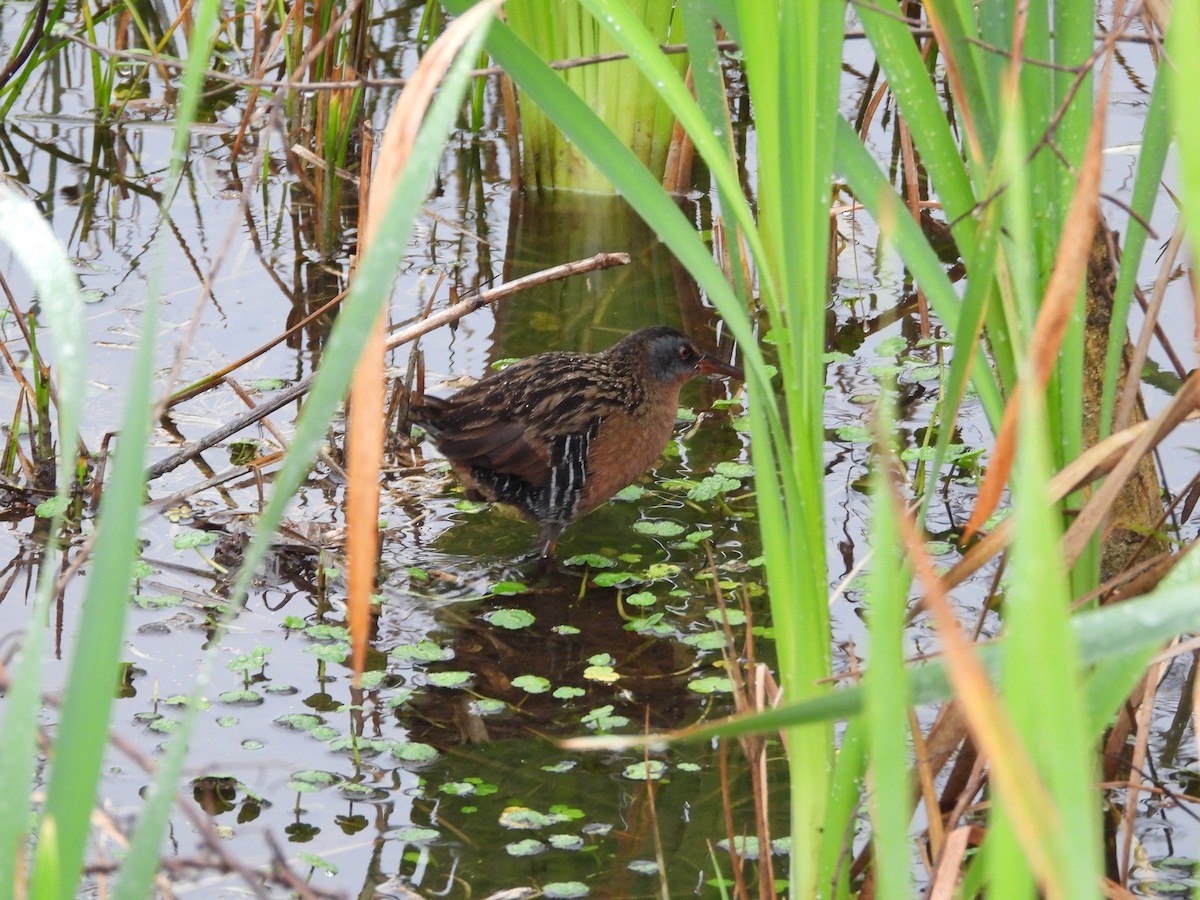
1022,582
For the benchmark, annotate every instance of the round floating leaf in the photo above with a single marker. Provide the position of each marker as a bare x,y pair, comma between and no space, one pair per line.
565,629
317,863
565,841
688,767
710,488
591,560
470,506
304,787
612,579
526,847
251,744
299,721
602,674
560,767
325,733
630,493
372,680
413,751
712,684
566,692
488,706
482,788
563,813
265,384
322,631
190,540
734,616
531,684
512,619
244,698
706,640
640,771
601,659
330,653
293,623
426,651
659,528
641,598
505,588
602,719
457,788
310,780
855,434
733,469
643,866
522,818
656,571
449,679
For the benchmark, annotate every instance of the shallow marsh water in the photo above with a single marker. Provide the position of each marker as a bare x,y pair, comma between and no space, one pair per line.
479,661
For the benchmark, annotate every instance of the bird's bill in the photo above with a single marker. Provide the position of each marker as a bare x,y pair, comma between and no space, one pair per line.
709,365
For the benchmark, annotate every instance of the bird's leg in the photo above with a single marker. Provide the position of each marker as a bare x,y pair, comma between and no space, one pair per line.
548,538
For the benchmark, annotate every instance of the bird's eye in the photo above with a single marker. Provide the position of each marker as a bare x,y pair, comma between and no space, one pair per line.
687,354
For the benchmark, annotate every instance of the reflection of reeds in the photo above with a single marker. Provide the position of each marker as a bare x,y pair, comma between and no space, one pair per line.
623,98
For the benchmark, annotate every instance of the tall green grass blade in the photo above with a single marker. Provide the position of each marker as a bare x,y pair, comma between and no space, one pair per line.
885,689
793,59
35,244
356,317
1152,155
845,796
83,730
1040,652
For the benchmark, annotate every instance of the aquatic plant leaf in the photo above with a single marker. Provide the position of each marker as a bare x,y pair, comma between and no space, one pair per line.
531,684
513,619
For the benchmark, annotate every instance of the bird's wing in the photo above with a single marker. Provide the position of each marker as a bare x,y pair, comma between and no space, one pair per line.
519,421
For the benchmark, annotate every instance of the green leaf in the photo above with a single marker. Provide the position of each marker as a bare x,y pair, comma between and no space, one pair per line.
453,679
711,684
513,619
426,651
55,506
652,770
659,528
414,751
531,684
504,588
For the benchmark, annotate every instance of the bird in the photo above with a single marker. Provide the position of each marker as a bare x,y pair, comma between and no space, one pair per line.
557,434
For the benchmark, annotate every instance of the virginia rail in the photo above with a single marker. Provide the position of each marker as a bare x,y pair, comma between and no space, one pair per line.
557,434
